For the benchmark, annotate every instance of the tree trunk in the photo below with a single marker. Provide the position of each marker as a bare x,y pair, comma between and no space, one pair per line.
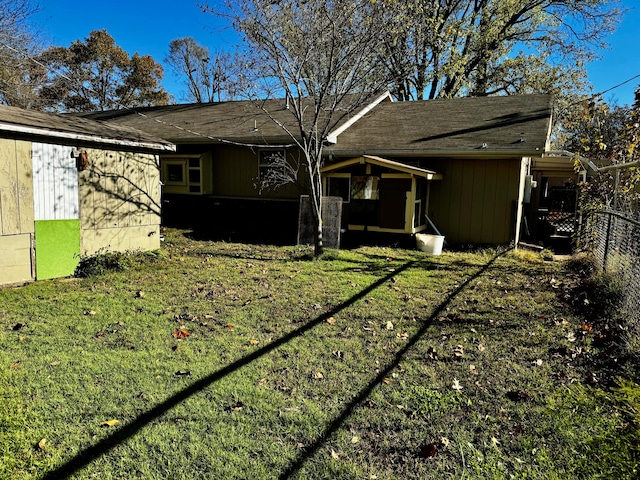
318,245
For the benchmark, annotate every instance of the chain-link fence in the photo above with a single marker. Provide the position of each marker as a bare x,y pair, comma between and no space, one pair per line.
614,238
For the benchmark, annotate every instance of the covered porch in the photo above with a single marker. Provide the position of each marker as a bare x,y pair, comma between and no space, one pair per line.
380,195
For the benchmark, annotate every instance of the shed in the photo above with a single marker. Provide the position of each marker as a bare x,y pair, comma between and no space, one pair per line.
71,187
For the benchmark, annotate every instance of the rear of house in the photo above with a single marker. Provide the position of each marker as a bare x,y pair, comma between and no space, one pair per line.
462,163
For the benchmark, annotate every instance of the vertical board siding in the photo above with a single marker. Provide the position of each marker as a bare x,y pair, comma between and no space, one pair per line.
25,186
9,204
55,183
473,203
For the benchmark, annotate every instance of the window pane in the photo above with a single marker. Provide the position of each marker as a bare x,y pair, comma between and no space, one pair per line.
175,173
194,176
338,187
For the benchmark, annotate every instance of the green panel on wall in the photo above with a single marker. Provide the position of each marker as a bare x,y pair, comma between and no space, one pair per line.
57,248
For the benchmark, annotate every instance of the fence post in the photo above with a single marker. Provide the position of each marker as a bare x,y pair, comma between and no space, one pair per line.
607,241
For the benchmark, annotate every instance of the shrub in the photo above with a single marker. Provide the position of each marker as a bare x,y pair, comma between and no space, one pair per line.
101,263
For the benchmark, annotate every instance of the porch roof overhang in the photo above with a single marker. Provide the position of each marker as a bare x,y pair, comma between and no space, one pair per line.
383,162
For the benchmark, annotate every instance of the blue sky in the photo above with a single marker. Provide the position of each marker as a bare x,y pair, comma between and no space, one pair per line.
147,27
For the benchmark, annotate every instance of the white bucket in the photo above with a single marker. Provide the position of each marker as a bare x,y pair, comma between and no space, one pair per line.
429,243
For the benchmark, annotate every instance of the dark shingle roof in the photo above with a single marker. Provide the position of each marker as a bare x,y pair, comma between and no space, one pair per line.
516,124
73,129
236,121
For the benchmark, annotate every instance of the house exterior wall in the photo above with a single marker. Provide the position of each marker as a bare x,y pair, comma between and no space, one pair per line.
16,211
476,201
235,173
119,202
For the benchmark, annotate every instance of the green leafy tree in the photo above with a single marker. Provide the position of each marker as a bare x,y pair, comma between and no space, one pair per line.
96,74
319,57
603,137
447,48
205,76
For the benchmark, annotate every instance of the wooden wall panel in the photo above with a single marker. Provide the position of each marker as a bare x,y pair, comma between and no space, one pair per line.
473,203
9,204
25,186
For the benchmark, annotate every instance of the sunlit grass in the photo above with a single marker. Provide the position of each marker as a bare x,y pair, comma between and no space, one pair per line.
457,365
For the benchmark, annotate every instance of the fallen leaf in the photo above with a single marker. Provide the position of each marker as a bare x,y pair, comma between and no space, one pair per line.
538,362
481,347
262,381
139,294
253,342
355,439
15,364
428,451
229,326
317,375
183,372
89,312
109,423
473,370
445,441
458,351
456,385
389,326
386,380
42,443
334,455
331,321
53,364
181,333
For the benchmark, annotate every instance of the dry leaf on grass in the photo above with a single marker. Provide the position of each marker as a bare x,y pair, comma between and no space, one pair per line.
181,333
331,321
253,341
42,443
109,423
456,385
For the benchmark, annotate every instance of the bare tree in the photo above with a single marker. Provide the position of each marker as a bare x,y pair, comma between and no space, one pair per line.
318,57
205,76
19,77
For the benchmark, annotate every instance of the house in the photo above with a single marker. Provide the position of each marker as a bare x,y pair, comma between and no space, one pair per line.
466,163
71,187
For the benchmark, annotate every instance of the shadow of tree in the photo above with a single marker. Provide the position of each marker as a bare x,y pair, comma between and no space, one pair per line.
86,456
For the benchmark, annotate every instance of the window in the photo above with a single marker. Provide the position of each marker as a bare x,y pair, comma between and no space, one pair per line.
339,186
271,164
181,175
364,187
175,173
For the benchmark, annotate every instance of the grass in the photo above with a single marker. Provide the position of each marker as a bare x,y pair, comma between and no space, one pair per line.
234,361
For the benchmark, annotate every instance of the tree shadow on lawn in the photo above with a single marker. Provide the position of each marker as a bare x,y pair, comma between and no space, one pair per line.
86,456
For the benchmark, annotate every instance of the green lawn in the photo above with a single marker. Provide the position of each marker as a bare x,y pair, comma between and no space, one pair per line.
223,360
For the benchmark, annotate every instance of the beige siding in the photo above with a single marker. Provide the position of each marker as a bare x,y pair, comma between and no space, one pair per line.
120,202
475,201
145,237
15,258
16,187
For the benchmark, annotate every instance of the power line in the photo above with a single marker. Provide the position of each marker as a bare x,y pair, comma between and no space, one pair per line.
157,120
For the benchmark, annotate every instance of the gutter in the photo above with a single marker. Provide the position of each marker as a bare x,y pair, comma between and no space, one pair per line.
86,138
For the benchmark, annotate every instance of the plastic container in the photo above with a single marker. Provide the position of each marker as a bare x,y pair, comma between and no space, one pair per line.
429,243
